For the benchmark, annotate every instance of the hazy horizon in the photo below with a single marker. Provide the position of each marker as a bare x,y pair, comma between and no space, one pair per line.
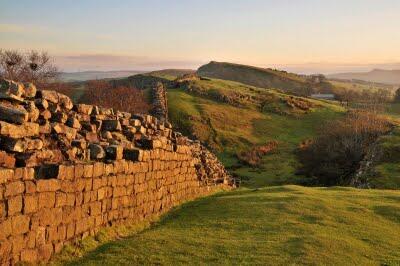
307,37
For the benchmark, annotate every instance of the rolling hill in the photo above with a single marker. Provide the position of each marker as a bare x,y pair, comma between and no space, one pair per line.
375,75
263,77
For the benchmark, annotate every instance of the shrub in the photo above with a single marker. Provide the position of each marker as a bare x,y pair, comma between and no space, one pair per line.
122,98
335,154
254,155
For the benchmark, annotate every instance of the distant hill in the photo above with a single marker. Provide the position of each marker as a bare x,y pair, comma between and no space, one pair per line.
90,75
376,75
150,79
171,73
262,77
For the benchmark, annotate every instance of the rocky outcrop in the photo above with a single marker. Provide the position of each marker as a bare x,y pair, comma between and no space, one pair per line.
68,170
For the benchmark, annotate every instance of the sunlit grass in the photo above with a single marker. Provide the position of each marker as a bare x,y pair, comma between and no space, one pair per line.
269,226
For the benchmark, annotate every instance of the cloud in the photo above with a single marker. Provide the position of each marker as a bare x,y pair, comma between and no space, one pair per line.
118,62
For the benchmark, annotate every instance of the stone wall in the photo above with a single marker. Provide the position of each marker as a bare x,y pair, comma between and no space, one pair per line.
68,170
159,102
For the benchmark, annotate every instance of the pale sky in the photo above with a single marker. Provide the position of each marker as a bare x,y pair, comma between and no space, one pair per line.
325,35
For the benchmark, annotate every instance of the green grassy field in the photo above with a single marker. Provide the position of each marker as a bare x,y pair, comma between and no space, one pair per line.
230,129
284,225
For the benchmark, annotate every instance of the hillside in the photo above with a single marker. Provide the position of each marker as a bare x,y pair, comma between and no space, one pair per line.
262,77
375,75
232,117
274,226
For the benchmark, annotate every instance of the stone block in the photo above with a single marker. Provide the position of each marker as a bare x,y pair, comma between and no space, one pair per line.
47,171
114,152
13,114
14,188
27,129
29,255
47,185
48,95
6,160
6,175
14,205
47,199
69,132
111,125
31,203
96,151
5,229
20,224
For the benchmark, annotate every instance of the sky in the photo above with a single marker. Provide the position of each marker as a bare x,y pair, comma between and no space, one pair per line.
300,35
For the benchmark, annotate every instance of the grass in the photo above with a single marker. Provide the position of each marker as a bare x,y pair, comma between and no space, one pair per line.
270,226
229,129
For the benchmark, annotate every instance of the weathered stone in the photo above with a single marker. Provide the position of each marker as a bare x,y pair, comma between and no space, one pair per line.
114,152
84,108
42,103
69,132
96,151
132,154
81,144
33,111
45,114
106,135
21,145
11,90
7,160
29,90
73,122
59,117
91,137
45,128
65,101
111,125
47,171
50,96
13,114
19,131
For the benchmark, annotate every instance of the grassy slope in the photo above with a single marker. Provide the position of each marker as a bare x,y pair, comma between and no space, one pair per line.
261,77
235,129
273,226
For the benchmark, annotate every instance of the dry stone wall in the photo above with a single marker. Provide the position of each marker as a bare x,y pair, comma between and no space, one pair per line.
160,106
68,170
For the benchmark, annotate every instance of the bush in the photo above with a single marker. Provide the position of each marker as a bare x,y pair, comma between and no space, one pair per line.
335,154
254,155
122,98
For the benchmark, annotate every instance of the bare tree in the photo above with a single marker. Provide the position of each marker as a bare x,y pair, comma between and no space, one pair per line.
32,66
